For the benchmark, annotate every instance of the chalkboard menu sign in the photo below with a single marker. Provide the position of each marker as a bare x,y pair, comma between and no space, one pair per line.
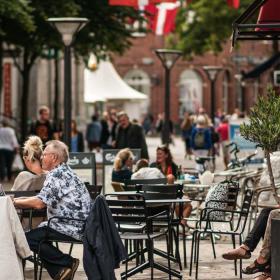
84,166
108,162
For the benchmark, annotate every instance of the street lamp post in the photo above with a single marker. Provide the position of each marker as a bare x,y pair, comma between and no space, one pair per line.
168,59
68,28
212,72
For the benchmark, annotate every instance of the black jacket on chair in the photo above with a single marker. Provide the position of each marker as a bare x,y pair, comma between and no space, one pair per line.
103,248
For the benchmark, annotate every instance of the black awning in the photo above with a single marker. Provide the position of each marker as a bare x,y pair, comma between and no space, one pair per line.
261,68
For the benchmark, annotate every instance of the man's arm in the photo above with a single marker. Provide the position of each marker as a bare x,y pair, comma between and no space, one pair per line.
29,202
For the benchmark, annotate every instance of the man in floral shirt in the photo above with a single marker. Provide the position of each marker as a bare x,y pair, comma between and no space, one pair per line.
64,195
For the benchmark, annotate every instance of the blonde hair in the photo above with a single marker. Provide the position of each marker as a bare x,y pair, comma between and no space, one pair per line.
121,157
33,148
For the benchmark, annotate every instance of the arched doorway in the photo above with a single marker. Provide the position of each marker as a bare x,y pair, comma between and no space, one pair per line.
140,80
190,99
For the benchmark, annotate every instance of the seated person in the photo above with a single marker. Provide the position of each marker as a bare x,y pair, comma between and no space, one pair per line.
143,171
122,166
165,164
63,194
33,180
262,263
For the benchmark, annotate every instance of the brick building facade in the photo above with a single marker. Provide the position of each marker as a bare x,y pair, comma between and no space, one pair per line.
190,86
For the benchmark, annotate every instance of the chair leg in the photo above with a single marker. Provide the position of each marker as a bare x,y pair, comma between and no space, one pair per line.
240,268
184,246
177,251
234,246
192,251
71,248
168,254
213,245
197,255
151,257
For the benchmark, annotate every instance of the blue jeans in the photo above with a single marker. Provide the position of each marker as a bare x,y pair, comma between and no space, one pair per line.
6,162
52,258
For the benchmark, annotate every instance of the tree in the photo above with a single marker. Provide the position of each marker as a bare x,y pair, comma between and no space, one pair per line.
105,31
14,14
204,26
264,128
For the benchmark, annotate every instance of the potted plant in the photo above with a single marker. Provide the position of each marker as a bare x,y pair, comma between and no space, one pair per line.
264,128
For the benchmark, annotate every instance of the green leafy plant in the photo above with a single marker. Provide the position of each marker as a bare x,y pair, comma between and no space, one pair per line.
264,128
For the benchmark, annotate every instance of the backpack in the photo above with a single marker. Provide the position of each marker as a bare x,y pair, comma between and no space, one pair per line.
199,139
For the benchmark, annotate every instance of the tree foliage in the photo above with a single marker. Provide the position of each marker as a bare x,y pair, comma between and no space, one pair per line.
264,128
205,25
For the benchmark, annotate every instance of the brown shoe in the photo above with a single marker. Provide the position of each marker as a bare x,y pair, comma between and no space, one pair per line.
263,276
64,274
68,273
235,254
74,268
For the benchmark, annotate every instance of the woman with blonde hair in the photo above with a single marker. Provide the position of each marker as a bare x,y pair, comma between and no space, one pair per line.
122,166
35,177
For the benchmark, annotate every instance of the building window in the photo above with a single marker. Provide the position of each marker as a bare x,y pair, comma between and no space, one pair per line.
190,99
140,80
226,80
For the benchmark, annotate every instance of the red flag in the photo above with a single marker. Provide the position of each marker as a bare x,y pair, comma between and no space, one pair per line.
162,17
269,13
234,3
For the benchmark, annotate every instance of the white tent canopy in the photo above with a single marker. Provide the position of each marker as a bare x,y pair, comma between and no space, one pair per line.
105,84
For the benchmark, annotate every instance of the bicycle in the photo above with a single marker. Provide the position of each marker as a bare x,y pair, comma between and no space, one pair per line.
239,162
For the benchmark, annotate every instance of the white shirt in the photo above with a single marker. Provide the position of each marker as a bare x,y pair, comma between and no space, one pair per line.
8,140
147,173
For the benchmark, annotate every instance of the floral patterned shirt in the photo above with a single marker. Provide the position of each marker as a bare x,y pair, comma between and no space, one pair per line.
65,195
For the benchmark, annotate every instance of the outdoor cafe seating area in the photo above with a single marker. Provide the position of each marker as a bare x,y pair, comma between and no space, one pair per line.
149,212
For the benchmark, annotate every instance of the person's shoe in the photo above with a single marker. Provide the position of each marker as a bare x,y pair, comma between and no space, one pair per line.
64,274
235,254
68,273
74,268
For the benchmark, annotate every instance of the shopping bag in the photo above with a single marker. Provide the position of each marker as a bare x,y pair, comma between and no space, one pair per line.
17,164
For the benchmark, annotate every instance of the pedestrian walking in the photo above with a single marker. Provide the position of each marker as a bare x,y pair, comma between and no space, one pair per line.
77,138
42,127
93,133
108,132
130,135
223,130
8,148
186,127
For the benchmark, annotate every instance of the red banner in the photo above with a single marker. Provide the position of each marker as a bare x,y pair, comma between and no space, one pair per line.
135,3
7,86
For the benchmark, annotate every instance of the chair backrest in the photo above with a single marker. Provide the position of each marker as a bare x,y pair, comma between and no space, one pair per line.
129,184
233,191
94,190
244,211
22,193
162,191
127,210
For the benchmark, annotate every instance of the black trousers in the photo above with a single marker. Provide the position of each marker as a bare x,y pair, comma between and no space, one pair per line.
6,161
258,231
52,258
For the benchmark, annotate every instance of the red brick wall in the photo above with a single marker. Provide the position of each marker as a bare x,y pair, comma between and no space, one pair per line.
144,48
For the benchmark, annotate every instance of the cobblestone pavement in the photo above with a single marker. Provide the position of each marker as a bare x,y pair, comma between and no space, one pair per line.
209,268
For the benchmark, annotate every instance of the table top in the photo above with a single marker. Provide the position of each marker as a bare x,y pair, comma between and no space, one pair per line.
202,186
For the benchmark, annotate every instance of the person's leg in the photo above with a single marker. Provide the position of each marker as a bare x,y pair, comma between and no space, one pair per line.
252,240
2,165
258,230
9,162
266,246
53,259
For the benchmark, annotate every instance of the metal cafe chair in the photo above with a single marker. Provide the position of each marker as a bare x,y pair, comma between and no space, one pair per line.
129,184
168,191
236,231
131,212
